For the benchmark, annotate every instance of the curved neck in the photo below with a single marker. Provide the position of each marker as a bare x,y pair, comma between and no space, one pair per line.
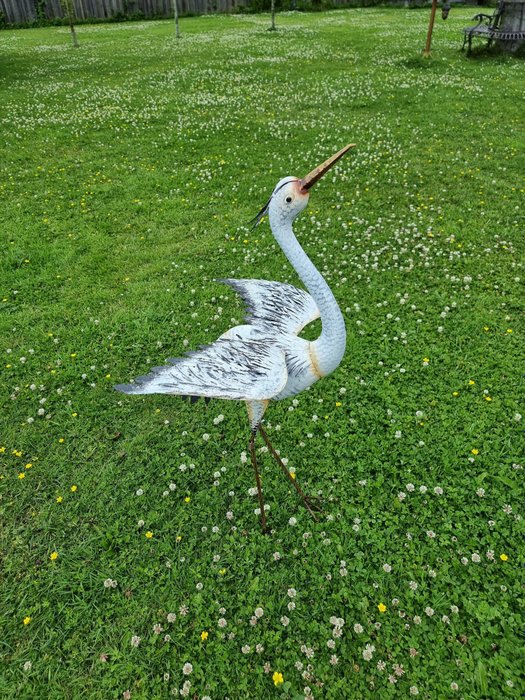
330,346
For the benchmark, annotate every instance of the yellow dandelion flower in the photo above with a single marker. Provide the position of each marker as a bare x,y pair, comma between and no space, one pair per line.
74,488
503,557
27,619
475,451
455,393
488,398
509,330
178,538
338,403
381,607
59,499
53,556
2,450
471,382
22,475
28,465
277,678
426,359
187,499
204,636
61,440
222,572
149,534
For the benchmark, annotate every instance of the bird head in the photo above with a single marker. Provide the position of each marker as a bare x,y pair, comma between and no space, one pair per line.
291,194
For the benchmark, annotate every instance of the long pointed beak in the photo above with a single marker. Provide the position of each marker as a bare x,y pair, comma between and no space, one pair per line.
317,173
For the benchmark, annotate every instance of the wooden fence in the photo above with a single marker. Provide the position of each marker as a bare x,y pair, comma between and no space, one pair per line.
27,11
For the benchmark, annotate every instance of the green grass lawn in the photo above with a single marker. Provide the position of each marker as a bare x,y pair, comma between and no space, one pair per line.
129,544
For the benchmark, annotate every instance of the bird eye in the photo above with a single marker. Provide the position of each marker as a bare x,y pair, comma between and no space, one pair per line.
288,199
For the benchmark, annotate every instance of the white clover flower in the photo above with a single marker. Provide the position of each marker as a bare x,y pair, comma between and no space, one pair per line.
368,652
187,669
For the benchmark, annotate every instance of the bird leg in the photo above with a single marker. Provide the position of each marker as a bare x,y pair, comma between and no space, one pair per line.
306,500
257,479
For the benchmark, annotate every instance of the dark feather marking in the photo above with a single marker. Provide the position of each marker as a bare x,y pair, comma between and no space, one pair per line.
274,304
227,367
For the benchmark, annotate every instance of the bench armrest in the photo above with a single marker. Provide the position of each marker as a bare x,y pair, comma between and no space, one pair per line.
481,17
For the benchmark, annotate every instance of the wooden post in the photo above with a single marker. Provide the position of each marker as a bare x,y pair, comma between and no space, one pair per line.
176,17
426,52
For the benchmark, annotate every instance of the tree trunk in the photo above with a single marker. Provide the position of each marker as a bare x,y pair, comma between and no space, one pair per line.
176,17
68,7
512,20
273,28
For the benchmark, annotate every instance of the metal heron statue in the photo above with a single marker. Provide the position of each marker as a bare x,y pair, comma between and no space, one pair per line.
264,359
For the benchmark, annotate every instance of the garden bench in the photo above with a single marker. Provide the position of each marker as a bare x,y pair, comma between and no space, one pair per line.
487,27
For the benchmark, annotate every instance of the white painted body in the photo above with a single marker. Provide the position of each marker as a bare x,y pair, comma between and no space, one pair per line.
264,359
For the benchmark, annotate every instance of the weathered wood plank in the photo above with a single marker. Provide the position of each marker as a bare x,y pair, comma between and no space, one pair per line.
21,11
